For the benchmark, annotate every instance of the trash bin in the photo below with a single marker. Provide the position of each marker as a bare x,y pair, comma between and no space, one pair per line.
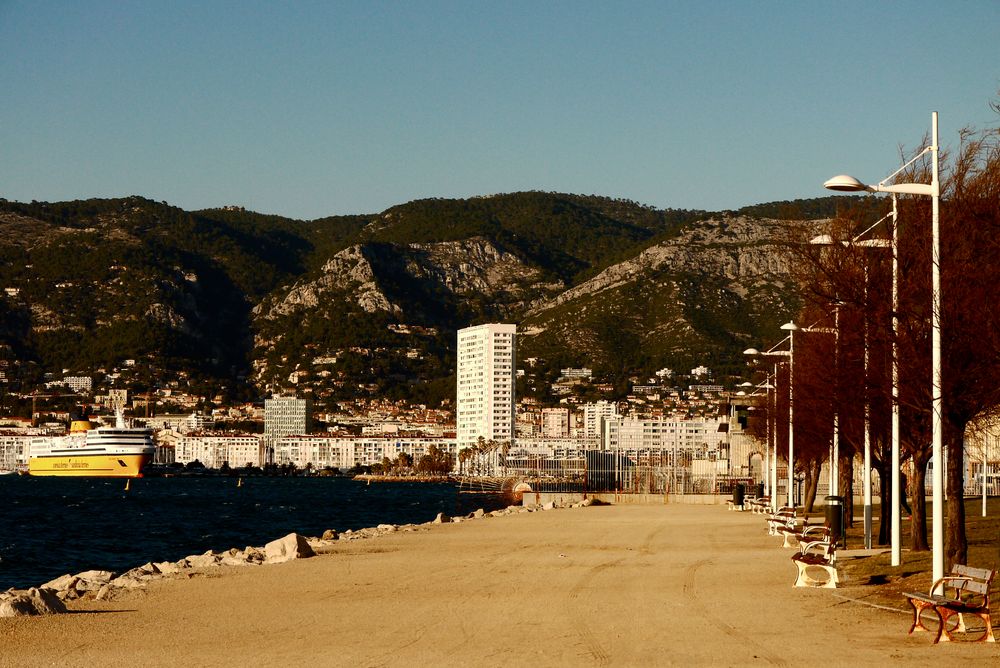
835,519
760,490
739,491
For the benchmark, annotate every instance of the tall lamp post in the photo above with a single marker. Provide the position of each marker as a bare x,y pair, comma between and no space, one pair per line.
860,240
768,460
933,190
791,328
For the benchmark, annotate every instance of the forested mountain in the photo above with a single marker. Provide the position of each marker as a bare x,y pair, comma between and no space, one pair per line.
245,303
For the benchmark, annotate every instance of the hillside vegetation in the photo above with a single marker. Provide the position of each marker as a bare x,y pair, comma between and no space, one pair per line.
243,303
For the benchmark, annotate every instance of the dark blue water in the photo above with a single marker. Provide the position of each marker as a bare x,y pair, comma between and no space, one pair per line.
52,526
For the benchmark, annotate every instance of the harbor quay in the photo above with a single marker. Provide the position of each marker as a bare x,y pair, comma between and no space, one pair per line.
625,585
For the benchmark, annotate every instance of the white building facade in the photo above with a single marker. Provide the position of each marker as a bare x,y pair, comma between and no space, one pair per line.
697,436
285,416
345,452
213,450
485,388
594,413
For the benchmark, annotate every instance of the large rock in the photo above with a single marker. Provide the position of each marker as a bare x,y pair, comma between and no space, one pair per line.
33,601
292,546
442,519
64,586
206,560
93,580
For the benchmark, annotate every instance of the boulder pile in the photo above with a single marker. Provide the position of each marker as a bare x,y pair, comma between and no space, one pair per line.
50,597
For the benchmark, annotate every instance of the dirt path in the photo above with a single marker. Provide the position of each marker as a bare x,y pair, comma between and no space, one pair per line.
599,586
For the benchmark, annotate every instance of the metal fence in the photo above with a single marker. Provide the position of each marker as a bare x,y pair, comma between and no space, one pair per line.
628,473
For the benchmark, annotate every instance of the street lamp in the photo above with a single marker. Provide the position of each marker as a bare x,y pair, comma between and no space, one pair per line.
767,387
791,328
859,240
933,190
772,424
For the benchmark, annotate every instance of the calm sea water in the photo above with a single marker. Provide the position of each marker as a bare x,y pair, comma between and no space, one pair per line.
52,526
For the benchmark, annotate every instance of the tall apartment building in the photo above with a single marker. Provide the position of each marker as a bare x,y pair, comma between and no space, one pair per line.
285,416
485,389
592,415
555,422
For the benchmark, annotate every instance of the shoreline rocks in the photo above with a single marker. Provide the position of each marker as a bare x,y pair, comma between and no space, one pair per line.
50,597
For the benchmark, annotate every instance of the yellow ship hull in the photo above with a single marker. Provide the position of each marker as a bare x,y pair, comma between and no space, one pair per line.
98,466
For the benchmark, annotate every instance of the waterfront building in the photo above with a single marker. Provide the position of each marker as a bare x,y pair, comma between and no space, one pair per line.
700,437
214,449
285,416
485,388
14,449
345,452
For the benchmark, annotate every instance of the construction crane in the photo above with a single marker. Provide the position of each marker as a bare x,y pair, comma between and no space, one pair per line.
36,396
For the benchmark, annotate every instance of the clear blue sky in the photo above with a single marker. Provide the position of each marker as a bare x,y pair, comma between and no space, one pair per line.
308,109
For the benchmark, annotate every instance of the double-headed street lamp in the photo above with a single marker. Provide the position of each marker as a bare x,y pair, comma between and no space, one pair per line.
769,454
933,190
860,240
791,328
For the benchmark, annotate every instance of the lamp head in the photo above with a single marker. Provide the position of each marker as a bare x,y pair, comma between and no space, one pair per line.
822,240
789,326
845,183
751,351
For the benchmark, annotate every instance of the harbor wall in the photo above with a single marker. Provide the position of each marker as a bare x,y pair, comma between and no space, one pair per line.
566,498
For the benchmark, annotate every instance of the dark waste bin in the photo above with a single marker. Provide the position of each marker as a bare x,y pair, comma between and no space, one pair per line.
760,490
739,491
835,519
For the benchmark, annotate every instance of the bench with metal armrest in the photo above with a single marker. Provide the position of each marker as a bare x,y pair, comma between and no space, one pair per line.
817,556
965,591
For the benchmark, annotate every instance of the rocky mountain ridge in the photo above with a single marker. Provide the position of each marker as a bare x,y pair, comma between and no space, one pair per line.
221,295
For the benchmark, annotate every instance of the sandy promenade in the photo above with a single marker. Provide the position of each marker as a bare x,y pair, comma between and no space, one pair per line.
604,586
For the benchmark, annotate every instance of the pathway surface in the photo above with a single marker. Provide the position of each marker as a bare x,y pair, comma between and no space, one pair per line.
599,586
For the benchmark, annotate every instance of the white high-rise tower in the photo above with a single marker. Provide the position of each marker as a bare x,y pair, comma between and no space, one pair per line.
485,402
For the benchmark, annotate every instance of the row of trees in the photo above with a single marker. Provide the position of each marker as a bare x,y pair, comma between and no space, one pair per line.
435,462
848,377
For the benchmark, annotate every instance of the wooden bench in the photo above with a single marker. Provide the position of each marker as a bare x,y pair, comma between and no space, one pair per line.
760,505
809,534
965,591
817,555
785,517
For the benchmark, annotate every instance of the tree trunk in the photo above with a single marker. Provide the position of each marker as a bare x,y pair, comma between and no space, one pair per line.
956,547
845,485
811,470
884,506
918,524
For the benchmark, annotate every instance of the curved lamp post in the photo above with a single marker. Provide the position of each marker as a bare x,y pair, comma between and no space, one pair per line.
875,242
847,183
791,328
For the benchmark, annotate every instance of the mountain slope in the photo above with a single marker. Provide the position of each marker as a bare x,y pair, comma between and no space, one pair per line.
369,305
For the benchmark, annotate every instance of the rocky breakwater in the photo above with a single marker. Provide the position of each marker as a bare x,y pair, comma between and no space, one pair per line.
51,597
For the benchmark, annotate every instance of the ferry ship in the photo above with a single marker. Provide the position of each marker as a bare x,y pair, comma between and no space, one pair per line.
87,450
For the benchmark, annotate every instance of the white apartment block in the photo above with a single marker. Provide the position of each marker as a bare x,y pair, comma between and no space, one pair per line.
485,389
697,436
555,422
285,416
75,383
14,449
592,415
345,452
213,450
